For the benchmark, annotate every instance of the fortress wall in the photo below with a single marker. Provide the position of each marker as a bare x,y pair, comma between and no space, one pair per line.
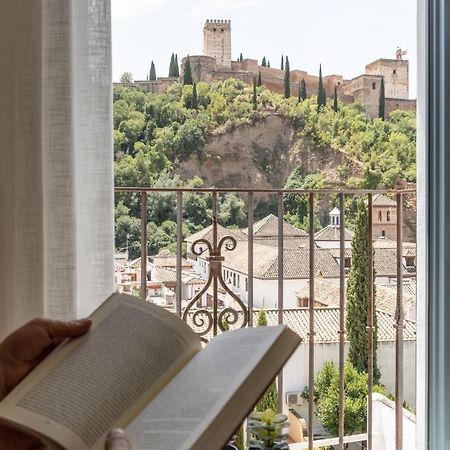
395,73
202,67
366,90
396,103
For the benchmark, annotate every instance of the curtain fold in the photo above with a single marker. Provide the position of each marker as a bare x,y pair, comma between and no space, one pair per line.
56,182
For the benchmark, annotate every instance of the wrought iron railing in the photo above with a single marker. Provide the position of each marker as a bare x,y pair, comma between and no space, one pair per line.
214,320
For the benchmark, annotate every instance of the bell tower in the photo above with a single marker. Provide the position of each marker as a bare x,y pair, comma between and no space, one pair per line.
217,41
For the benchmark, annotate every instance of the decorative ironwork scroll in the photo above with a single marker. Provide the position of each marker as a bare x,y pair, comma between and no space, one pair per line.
207,321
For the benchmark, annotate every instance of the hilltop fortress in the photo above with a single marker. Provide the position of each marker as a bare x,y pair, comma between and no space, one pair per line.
216,64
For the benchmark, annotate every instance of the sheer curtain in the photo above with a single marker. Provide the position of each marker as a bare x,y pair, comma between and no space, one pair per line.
56,183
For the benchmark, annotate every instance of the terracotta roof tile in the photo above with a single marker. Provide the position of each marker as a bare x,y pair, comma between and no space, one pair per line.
326,324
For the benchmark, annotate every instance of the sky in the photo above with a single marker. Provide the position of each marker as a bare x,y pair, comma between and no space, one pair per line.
342,35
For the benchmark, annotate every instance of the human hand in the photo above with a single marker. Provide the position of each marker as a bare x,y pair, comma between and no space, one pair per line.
20,352
117,440
26,347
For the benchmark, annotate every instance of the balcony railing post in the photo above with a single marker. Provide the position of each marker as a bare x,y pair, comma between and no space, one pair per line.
311,323
399,330
143,245
215,252
250,260
280,286
178,293
370,312
341,319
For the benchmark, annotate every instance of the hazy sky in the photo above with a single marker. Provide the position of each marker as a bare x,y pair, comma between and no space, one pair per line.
343,35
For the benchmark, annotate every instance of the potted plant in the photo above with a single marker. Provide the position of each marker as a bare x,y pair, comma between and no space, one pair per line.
266,430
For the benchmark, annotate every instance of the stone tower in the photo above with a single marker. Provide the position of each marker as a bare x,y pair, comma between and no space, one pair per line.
217,41
396,76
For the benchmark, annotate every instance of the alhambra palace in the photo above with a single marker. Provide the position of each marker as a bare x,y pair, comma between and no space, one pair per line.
216,64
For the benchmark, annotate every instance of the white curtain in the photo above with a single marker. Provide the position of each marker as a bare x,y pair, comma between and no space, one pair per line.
56,183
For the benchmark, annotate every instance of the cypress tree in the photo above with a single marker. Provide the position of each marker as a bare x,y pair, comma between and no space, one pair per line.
335,102
321,98
194,103
268,63
172,65
241,58
357,297
299,91
152,72
287,79
177,67
255,105
303,89
263,62
187,74
270,398
259,79
382,101
147,77
282,62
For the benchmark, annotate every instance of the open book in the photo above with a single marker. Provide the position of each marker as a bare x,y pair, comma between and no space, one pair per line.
144,369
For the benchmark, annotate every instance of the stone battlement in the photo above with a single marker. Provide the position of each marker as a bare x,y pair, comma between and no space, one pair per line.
217,22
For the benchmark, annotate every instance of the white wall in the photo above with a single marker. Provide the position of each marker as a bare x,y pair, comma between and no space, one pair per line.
384,425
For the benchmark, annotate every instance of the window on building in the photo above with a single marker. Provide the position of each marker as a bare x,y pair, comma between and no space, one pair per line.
394,71
388,216
347,262
380,216
374,85
238,281
246,284
410,262
234,279
383,233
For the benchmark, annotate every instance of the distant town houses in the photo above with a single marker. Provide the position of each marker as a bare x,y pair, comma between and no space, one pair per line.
162,278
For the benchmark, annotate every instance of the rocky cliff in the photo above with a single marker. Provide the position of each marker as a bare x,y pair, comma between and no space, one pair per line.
263,155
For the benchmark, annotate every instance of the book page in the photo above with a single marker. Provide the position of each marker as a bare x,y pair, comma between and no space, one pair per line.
204,404
104,378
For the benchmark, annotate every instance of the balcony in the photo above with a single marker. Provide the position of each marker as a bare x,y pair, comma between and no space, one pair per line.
224,277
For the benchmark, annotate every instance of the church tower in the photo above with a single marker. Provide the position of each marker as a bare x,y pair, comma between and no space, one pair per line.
217,41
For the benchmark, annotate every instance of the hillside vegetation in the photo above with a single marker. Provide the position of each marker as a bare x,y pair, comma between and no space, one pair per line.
154,134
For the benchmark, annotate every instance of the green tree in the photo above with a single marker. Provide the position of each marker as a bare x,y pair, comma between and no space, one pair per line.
335,100
303,89
382,101
326,398
287,79
259,79
127,231
263,62
232,211
187,75
261,320
282,62
254,100
172,65
268,63
152,72
194,96
357,297
126,78
177,67
321,97
240,58
269,399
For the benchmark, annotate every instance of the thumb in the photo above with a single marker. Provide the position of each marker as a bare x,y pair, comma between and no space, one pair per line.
58,329
117,440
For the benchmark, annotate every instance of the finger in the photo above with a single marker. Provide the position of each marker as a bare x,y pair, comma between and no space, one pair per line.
117,440
58,329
